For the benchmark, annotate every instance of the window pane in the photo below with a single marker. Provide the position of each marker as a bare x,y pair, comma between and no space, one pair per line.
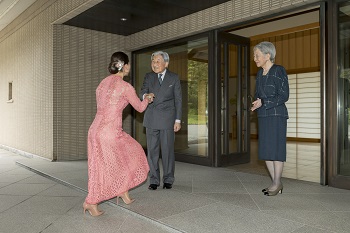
190,61
10,91
344,87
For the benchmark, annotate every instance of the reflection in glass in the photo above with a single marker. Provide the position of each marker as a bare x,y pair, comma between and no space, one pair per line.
234,88
190,61
344,87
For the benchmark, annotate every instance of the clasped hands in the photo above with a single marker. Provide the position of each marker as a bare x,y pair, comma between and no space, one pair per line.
150,97
256,104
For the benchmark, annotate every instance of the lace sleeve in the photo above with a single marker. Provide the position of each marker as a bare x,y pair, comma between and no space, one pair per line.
133,99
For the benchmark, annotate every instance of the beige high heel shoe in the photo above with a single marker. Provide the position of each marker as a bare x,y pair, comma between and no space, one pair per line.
92,209
126,198
275,192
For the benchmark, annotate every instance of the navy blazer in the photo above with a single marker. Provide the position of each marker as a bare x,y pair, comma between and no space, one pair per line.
273,90
167,105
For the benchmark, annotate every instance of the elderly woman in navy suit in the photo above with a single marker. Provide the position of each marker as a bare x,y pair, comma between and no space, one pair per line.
272,92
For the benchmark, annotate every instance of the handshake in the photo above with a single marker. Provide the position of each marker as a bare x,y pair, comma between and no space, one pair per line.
150,97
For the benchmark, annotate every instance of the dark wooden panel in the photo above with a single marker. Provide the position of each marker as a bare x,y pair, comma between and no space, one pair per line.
297,51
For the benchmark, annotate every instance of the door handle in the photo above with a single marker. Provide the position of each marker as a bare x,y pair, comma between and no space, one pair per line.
251,100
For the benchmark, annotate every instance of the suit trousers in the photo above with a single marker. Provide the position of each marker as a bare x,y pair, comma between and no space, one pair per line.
161,141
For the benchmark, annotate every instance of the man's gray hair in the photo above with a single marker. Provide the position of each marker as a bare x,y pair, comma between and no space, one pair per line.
267,48
163,54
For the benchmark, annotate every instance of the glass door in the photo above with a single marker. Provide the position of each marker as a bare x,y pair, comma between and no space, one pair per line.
235,99
343,168
338,166
188,59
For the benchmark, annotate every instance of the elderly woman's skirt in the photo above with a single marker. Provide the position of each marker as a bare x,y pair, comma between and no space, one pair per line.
272,138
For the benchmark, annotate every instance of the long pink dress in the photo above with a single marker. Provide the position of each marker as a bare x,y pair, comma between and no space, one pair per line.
116,161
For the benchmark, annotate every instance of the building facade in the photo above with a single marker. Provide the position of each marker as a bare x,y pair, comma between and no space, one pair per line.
49,72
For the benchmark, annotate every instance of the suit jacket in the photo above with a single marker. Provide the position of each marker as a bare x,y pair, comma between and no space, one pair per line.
167,104
273,90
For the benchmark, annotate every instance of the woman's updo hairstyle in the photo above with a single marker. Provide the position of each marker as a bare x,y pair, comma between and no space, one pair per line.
118,60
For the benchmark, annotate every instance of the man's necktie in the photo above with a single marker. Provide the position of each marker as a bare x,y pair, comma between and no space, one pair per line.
160,79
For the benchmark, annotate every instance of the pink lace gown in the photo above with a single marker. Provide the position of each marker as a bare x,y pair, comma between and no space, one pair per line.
116,161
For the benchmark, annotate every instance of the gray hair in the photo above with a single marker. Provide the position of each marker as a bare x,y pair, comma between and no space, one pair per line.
163,54
266,48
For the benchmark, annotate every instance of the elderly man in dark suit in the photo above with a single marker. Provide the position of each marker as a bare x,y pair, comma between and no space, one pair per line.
162,118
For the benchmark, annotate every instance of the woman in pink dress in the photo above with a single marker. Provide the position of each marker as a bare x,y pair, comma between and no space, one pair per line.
116,161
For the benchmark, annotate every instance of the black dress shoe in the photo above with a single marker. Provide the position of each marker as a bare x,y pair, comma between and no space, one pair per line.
167,186
153,187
